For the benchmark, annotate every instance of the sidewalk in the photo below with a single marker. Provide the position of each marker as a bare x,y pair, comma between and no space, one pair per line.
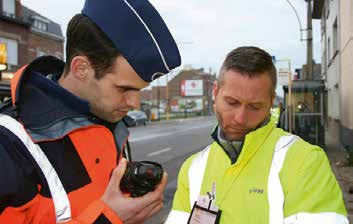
343,173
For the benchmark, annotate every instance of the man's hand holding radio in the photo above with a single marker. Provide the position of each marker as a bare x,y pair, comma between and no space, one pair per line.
132,210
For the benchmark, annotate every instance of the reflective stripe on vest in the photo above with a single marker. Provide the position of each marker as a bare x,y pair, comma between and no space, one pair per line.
196,172
177,217
199,164
275,191
322,218
57,191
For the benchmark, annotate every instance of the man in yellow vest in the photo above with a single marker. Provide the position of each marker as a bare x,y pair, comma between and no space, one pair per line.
253,172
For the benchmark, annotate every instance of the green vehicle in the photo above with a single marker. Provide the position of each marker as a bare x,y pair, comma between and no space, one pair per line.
307,111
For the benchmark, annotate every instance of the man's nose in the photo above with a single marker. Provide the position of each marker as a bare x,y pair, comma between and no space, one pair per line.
132,99
241,115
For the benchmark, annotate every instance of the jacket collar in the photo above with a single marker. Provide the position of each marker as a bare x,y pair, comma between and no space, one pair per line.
257,134
50,112
40,100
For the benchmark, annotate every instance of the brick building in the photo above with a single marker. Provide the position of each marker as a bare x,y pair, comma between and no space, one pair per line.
45,37
151,95
27,35
175,98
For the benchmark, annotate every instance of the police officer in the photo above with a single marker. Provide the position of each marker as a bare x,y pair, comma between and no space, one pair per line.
254,172
62,134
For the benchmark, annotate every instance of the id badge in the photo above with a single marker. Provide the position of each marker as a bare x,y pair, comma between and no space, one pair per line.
201,215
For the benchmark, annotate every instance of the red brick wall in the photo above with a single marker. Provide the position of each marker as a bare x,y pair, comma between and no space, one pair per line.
48,45
162,92
145,95
18,8
175,84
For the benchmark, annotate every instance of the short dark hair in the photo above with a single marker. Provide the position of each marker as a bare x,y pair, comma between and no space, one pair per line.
250,61
85,38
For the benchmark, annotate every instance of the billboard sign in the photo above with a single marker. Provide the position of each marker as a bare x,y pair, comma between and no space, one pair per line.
192,88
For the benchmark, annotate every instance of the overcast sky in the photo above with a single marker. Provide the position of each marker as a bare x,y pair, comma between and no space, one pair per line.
206,30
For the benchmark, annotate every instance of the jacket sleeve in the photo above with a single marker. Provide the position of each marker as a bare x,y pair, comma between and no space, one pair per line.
19,198
97,213
312,193
17,191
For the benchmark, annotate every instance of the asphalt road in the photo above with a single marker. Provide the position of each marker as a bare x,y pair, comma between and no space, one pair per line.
170,143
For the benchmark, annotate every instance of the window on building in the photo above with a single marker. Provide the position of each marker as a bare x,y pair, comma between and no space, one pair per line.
12,50
59,55
324,65
334,37
41,53
323,21
40,25
323,60
9,8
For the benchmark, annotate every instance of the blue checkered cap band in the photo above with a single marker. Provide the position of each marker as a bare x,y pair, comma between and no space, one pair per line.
139,34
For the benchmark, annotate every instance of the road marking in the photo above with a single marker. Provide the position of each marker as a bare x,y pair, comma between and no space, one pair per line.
159,152
167,133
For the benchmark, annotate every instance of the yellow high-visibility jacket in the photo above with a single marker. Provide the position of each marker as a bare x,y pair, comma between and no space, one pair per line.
278,178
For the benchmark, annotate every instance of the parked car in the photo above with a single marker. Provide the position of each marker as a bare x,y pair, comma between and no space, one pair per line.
138,117
5,91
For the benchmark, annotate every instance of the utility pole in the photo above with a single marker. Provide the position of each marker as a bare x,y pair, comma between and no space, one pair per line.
290,108
167,97
210,81
158,100
185,109
309,44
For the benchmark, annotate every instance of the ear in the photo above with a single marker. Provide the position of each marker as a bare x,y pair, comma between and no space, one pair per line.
215,88
80,67
273,97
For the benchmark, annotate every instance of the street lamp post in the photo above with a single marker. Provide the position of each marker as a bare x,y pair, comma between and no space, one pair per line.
167,97
158,100
185,109
298,18
167,84
309,38
309,43
209,84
